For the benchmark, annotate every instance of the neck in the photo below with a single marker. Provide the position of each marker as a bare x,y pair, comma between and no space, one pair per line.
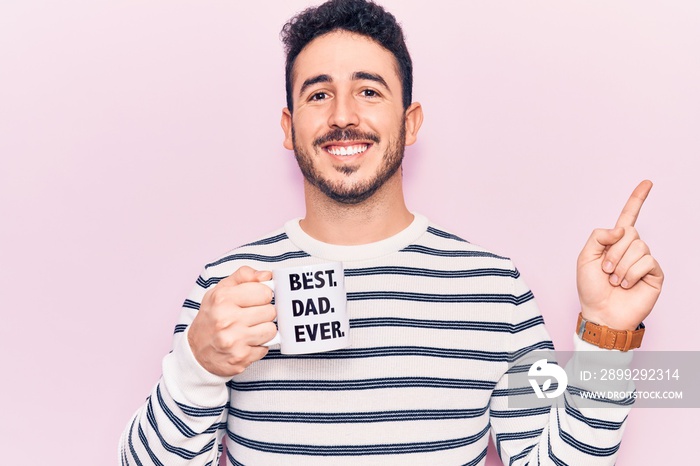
378,217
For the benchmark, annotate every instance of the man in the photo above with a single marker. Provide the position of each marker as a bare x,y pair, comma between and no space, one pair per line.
435,321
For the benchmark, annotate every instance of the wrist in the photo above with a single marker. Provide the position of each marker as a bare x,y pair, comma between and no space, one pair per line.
616,320
606,337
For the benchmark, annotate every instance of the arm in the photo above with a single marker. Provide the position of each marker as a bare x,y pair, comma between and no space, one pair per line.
553,431
183,421
618,283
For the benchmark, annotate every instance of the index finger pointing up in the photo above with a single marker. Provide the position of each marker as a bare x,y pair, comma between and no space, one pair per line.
630,211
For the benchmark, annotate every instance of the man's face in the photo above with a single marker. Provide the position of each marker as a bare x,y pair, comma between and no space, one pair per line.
348,129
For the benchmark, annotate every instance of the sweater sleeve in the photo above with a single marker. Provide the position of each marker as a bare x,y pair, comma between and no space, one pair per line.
564,430
183,421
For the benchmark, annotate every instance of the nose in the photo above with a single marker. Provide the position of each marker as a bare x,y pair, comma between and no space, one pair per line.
343,112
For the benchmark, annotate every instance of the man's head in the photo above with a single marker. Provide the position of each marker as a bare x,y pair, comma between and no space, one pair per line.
350,121
358,16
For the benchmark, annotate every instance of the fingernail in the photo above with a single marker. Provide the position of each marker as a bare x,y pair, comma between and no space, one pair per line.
614,279
624,284
608,266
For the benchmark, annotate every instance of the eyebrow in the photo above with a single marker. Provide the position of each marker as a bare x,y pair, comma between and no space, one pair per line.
321,78
362,75
356,76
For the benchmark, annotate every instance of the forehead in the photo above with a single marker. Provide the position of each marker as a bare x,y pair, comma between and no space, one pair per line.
341,53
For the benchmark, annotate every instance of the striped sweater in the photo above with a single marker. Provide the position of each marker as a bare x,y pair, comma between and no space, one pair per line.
435,322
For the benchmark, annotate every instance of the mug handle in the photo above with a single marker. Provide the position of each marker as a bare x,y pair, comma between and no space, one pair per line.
276,339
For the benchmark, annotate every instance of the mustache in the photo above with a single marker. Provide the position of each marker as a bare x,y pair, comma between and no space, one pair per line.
348,134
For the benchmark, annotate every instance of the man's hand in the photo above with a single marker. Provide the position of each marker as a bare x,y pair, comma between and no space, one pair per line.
618,280
235,318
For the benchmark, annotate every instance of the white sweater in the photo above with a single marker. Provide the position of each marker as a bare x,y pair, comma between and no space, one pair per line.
434,323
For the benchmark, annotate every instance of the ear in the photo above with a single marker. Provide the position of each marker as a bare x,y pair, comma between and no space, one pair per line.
414,120
287,128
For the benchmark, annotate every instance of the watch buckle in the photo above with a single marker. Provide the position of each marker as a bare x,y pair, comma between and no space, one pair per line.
582,327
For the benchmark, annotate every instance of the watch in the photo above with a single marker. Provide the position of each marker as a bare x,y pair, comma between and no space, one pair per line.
605,337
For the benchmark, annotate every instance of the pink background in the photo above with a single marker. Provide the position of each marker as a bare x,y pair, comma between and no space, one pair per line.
139,140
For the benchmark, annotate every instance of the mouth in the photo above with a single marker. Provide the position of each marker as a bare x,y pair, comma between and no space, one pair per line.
346,149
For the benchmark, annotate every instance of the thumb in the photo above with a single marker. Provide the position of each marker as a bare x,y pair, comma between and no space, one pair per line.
598,243
246,274
263,275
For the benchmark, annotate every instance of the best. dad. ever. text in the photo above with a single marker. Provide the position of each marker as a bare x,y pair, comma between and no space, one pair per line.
314,306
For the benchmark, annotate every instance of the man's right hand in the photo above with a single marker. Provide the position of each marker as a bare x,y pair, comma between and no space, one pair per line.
234,319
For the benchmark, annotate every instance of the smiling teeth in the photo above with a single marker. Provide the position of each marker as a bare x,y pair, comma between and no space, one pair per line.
349,150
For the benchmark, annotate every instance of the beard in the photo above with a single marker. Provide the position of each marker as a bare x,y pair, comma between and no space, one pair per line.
360,191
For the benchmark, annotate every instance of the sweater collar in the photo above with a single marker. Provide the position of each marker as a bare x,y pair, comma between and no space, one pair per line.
334,252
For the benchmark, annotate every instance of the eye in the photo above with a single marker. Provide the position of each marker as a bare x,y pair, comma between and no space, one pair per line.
369,93
318,96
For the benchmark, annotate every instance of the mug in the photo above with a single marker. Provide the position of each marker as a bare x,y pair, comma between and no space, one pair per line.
311,306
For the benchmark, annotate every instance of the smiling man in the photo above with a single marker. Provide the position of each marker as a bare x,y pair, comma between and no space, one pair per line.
340,81
348,122
436,322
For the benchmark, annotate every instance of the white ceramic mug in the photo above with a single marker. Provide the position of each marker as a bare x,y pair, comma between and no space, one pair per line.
311,306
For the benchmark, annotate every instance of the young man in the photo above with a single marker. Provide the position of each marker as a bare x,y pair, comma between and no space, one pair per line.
435,321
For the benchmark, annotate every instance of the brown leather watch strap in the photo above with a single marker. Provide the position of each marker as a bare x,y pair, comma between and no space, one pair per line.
605,337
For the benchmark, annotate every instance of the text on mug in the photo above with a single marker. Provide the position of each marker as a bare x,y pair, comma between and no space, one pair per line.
322,331
311,280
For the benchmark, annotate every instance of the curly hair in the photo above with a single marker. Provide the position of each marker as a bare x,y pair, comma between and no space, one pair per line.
357,16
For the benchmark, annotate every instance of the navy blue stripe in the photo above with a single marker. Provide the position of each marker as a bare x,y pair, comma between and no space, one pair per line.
270,240
521,412
200,412
124,458
449,253
519,435
384,351
441,298
406,271
363,417
444,234
592,422
584,447
447,324
208,282
259,257
181,452
525,368
362,384
131,442
521,390
179,328
551,454
515,436
424,351
478,459
576,391
520,455
358,450
421,272
540,345
189,304
144,442
514,391
231,459
176,421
